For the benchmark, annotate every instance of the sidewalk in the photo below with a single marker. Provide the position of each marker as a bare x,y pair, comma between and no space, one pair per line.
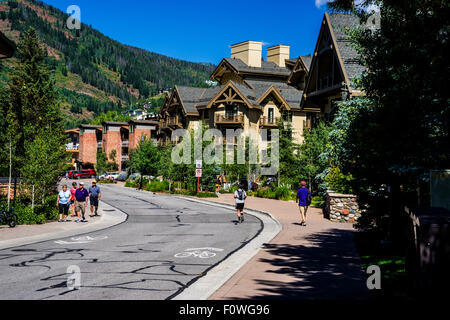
319,261
27,234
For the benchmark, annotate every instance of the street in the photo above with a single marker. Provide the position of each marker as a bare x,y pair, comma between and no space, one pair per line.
165,244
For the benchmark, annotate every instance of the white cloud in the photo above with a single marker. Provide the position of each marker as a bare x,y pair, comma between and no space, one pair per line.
320,3
372,7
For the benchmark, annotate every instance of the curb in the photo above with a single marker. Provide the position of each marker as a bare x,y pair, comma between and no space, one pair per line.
110,218
216,277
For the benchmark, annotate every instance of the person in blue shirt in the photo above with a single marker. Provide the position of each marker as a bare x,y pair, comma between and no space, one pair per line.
94,198
63,203
304,201
81,200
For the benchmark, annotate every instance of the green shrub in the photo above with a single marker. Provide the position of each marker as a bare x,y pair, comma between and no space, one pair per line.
338,181
131,184
106,182
283,193
206,195
157,186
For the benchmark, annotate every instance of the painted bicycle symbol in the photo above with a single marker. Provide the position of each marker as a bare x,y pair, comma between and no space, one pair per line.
202,253
80,240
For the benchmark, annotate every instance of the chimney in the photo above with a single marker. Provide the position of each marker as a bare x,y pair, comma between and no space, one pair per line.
250,52
278,54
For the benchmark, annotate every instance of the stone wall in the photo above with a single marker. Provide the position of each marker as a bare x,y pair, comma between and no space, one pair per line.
342,207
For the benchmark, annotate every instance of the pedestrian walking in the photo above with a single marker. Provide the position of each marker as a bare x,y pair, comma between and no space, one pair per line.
62,203
72,198
240,195
94,198
219,182
304,201
81,201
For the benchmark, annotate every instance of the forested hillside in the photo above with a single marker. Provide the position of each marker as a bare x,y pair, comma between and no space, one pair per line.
93,73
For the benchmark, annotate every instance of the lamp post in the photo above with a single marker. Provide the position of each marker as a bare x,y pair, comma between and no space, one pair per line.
10,174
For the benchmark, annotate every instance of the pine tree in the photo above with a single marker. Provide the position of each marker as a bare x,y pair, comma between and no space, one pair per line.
33,119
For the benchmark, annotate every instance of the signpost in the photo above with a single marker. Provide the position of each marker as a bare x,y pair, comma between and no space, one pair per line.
198,172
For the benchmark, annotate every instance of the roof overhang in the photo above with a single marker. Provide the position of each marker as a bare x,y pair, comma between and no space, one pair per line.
277,94
229,85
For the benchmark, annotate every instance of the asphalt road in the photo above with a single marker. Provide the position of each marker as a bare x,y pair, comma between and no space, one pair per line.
133,260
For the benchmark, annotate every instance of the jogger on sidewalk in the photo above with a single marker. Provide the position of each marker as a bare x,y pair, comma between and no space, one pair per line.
304,201
240,195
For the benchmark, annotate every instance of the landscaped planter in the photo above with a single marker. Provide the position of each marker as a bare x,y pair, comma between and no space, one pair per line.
342,207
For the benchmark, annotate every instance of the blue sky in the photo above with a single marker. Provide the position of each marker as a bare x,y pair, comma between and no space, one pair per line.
202,31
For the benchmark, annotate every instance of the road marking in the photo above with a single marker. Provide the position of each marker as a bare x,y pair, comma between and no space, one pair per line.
202,253
81,240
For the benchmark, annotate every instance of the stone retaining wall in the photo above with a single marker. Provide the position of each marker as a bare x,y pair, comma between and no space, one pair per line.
342,207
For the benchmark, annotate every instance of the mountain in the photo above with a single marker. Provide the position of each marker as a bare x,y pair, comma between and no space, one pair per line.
94,73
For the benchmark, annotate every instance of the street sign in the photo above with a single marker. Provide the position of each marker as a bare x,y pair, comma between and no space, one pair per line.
198,164
198,173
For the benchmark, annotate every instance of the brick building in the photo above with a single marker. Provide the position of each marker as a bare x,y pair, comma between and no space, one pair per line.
110,137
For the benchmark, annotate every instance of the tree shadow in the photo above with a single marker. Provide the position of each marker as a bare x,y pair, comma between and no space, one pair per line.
328,268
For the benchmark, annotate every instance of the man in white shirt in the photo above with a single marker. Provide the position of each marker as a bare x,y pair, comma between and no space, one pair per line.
240,195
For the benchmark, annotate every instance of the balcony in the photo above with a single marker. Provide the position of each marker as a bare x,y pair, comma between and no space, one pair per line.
268,122
99,144
125,143
125,157
229,119
174,122
72,147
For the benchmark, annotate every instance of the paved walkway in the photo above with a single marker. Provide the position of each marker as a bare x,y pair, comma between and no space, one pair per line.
319,261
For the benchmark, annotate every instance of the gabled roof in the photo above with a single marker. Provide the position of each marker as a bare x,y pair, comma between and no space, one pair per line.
241,90
349,56
332,35
7,47
306,61
267,69
300,69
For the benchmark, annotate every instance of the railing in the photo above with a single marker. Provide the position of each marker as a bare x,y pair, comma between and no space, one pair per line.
268,122
125,143
174,121
125,157
99,144
229,119
72,147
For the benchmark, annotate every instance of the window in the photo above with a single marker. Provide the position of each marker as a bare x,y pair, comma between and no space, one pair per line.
287,116
231,110
271,112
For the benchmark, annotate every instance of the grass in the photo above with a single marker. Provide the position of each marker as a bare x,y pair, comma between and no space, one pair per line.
391,260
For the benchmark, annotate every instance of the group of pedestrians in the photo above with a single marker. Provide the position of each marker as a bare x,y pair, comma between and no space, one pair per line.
77,200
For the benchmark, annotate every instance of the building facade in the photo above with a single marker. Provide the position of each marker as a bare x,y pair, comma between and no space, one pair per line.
252,94
115,139
258,94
